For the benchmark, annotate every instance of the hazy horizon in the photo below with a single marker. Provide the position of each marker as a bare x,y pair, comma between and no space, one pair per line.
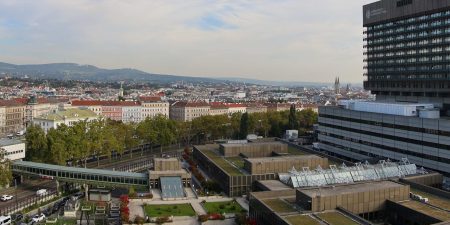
271,40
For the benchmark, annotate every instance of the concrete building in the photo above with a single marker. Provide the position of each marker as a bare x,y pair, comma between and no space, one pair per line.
13,149
253,150
67,117
408,69
170,178
153,106
187,111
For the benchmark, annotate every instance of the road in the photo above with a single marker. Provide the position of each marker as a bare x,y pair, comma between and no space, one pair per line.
25,191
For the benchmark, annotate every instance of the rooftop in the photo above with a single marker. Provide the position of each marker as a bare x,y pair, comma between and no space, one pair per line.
348,188
279,205
211,152
80,170
68,114
274,185
281,158
7,142
302,219
427,210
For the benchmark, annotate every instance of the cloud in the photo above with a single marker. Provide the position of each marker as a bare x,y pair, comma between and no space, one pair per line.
275,40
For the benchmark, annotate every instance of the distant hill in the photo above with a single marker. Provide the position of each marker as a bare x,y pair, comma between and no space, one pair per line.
72,71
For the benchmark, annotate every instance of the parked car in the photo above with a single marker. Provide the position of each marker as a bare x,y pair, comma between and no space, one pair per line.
5,220
5,198
17,217
38,218
41,192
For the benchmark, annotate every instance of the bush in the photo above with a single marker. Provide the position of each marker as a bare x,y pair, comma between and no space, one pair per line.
221,207
233,207
139,220
161,220
131,192
202,218
175,207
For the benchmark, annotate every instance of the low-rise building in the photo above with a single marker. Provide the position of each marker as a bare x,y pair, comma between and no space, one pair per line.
218,108
12,117
13,149
67,117
236,108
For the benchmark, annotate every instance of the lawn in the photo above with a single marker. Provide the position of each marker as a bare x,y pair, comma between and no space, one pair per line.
279,205
223,207
335,218
302,219
169,210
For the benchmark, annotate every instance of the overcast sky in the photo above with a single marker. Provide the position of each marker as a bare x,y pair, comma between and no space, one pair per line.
298,40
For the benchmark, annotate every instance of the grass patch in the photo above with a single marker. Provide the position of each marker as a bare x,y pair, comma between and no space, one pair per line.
64,221
169,210
433,199
302,219
223,207
279,205
335,218
222,163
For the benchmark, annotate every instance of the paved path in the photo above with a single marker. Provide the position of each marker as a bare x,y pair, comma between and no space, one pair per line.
198,208
243,202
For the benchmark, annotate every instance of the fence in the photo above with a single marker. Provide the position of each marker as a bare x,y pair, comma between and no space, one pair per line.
18,205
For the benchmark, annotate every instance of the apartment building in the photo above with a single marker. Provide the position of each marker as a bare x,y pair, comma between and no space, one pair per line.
131,112
153,106
187,111
236,108
218,108
12,117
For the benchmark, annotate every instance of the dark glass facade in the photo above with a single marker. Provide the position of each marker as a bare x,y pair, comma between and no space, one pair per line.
407,49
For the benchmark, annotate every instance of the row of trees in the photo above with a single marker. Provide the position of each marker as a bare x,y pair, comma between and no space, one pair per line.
101,137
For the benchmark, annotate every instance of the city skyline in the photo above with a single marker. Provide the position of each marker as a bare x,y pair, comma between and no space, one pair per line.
289,40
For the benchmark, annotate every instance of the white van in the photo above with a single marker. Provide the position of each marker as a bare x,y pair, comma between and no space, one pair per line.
5,220
41,192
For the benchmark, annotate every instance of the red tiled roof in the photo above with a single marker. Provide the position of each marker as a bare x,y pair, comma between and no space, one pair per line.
190,104
149,98
103,103
217,105
235,105
10,103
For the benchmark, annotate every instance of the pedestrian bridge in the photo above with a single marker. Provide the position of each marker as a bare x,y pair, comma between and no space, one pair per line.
81,175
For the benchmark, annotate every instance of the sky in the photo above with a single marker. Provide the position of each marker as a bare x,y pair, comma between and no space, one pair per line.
282,40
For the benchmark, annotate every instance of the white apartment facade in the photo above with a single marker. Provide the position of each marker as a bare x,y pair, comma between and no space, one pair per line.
153,106
67,117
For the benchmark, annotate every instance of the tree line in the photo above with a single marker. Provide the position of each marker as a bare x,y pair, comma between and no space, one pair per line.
104,137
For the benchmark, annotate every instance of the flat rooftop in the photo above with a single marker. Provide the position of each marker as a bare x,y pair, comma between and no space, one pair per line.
211,152
253,144
426,209
348,188
165,159
274,185
7,141
281,158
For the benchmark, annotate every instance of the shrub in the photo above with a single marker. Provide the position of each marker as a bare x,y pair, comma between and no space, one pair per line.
131,192
175,207
202,218
139,220
233,207
221,207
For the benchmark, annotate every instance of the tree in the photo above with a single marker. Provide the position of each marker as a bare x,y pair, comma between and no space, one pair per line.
56,143
243,129
293,122
146,132
36,144
5,169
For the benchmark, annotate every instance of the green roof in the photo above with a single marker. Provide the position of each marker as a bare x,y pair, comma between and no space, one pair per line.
68,114
221,162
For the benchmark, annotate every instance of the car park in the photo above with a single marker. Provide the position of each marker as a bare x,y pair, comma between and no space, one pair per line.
5,198
38,218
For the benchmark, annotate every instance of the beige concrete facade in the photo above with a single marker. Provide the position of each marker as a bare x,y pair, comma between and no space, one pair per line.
166,164
357,198
12,117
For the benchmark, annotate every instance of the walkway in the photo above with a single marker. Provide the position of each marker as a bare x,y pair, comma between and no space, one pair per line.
77,174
